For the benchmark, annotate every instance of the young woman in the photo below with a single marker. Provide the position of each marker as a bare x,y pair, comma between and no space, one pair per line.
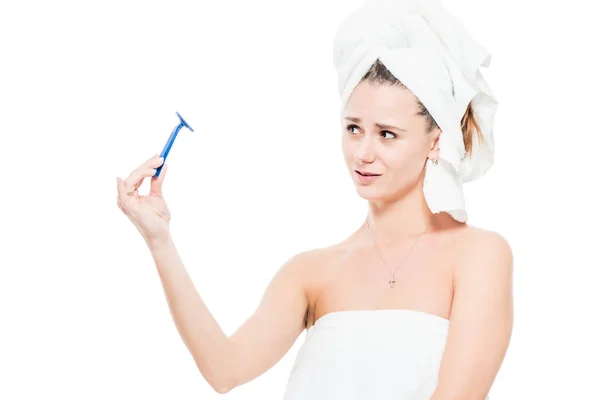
415,303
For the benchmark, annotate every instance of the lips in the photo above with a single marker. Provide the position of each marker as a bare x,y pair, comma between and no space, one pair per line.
366,173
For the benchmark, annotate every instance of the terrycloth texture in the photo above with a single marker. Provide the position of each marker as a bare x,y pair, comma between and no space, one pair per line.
431,53
369,355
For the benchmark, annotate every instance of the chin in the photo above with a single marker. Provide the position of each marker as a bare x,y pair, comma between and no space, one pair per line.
368,192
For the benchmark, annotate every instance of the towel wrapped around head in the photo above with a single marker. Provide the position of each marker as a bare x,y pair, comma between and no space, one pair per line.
430,52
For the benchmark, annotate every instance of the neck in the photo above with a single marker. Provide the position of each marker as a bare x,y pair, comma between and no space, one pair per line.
404,218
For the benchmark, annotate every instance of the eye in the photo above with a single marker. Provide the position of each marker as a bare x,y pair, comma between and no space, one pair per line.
348,127
393,134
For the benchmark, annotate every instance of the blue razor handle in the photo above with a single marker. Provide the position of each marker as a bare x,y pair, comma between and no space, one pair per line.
167,148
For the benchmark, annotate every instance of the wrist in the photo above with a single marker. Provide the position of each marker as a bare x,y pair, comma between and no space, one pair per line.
158,242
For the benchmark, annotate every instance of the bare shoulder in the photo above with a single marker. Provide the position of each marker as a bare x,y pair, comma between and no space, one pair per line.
305,267
309,264
481,238
484,250
305,262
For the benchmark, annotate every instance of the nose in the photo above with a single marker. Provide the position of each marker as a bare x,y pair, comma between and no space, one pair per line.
365,153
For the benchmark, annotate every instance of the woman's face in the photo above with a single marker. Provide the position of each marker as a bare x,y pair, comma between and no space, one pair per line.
397,152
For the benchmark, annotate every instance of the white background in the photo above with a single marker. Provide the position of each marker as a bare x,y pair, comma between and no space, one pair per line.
89,90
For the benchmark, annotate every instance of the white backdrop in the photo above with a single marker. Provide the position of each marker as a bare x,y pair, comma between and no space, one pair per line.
89,90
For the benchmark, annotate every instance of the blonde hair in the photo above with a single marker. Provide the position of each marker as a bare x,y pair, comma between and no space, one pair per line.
380,75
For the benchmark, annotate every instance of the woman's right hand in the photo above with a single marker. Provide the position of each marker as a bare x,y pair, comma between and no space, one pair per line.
150,213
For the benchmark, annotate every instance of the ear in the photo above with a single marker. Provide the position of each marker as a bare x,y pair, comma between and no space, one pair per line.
434,152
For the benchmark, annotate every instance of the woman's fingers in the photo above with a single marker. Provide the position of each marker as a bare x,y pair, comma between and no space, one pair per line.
156,184
136,177
140,176
127,188
121,196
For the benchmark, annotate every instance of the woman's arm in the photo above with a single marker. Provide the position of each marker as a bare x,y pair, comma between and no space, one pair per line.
202,335
226,362
481,319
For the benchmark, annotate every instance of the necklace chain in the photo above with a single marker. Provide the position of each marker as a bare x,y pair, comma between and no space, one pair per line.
392,281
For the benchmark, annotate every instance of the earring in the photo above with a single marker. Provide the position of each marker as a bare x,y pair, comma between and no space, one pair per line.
434,161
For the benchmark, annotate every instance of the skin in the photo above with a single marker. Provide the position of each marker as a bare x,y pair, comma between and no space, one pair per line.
455,271
150,214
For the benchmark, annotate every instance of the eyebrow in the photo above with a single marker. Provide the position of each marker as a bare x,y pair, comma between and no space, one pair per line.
380,126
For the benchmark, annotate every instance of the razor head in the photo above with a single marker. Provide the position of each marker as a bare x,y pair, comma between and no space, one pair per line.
183,122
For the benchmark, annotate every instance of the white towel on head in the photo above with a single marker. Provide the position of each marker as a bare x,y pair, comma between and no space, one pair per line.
432,54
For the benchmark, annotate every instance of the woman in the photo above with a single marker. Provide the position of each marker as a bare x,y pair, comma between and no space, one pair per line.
414,304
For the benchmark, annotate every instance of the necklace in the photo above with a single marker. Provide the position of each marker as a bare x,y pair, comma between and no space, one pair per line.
392,281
